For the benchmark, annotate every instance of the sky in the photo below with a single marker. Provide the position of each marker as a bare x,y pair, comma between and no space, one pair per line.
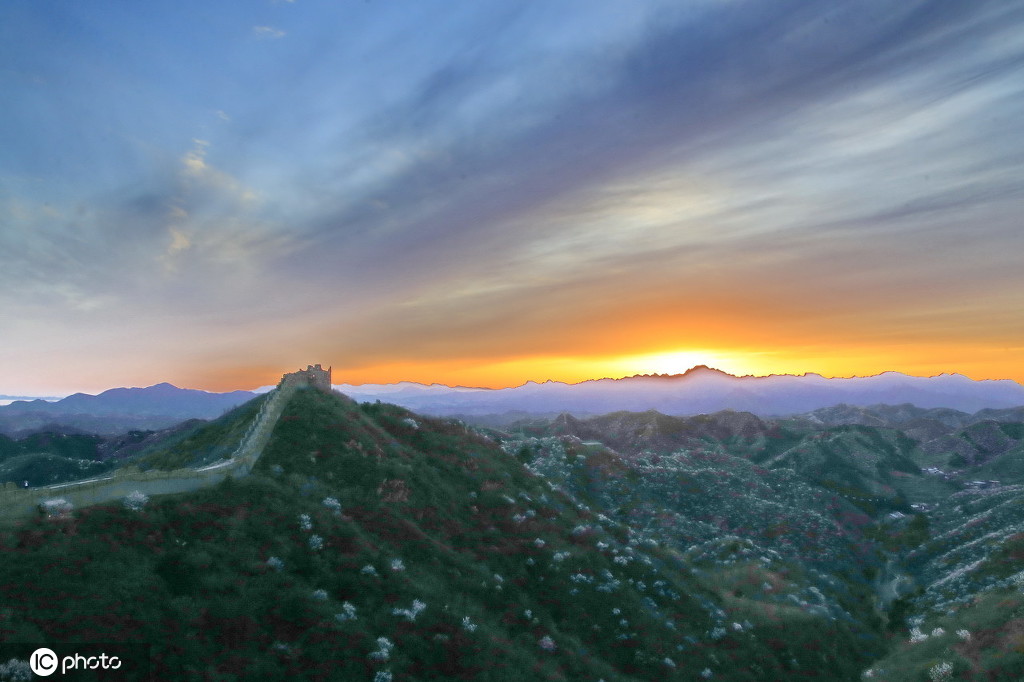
486,193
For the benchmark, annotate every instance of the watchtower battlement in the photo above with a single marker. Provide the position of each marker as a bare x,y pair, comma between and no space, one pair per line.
314,376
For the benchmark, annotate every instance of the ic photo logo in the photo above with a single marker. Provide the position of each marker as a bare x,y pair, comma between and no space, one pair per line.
44,662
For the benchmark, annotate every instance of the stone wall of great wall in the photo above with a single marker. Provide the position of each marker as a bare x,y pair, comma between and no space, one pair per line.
17,503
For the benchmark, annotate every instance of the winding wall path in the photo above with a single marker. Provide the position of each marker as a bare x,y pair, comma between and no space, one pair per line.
16,503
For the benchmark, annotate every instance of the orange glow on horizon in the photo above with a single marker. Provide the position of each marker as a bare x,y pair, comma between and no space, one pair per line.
973,362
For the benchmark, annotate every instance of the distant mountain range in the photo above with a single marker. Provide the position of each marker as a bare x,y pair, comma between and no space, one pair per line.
119,409
700,390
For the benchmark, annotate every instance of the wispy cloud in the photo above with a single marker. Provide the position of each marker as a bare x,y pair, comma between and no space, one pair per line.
713,172
268,32
732,173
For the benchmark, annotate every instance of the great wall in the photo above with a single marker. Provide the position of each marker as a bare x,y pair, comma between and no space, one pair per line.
18,503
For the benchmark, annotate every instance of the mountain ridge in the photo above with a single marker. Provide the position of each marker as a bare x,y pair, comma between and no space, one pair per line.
121,409
702,390
699,390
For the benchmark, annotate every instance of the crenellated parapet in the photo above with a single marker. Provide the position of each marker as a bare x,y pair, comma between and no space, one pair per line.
314,376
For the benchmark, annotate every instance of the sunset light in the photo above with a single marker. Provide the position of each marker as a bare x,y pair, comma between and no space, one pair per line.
503,340
346,186
678,362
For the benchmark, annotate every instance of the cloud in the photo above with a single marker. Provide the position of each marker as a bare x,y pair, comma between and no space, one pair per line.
268,32
194,161
215,221
707,170
730,165
198,176
179,241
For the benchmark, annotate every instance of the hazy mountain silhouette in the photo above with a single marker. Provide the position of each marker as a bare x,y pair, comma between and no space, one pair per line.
120,409
702,390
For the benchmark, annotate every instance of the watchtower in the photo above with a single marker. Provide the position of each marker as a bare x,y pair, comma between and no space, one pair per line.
314,376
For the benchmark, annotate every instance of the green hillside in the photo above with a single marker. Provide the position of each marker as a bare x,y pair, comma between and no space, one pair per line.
50,457
372,541
967,616
47,458
198,443
875,468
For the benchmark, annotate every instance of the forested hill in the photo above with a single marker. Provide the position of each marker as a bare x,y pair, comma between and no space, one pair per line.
372,544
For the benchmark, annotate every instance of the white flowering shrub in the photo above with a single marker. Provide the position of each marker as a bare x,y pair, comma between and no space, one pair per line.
305,522
941,672
539,542
410,613
611,583
15,670
135,501
669,662
348,612
332,504
275,563
383,676
706,673
56,507
965,635
316,542
411,423
369,570
397,565
546,643
468,625
320,595
383,650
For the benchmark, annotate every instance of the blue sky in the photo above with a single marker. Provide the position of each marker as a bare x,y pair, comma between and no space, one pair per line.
485,193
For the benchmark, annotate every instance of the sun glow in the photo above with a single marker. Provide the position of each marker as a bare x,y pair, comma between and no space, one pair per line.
677,362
